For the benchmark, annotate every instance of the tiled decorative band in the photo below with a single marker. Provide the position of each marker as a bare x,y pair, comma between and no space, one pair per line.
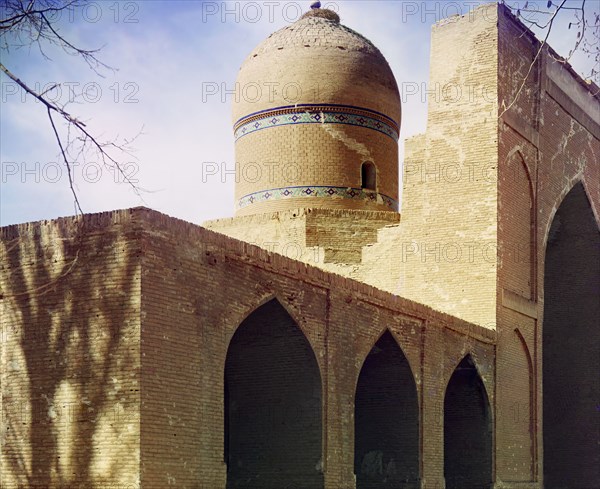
318,191
316,114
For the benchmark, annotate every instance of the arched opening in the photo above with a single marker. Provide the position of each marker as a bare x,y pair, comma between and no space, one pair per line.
386,421
368,176
467,430
571,347
273,425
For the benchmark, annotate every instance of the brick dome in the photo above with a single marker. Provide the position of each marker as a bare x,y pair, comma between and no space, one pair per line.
316,121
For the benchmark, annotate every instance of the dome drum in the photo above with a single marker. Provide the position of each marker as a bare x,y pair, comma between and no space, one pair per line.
323,171
329,103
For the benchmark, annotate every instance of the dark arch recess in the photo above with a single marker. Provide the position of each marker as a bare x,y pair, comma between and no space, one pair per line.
368,176
467,430
273,425
386,452
571,347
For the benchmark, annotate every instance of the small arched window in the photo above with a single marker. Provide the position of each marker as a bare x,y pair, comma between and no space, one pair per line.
368,174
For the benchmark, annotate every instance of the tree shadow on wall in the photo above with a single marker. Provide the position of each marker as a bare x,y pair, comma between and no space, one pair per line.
69,364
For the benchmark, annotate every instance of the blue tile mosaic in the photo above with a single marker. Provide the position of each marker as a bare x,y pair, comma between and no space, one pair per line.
316,114
317,191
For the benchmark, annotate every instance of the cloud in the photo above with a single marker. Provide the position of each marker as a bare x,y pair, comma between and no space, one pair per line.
166,52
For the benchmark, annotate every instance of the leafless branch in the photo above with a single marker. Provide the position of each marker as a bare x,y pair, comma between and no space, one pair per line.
30,22
532,64
588,32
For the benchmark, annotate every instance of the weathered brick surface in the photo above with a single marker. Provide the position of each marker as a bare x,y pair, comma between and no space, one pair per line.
70,353
549,140
193,289
314,154
330,238
119,329
316,60
446,243
341,319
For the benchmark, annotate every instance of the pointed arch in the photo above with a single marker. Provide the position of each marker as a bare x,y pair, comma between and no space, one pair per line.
516,152
272,404
386,420
525,347
239,319
518,226
470,358
520,421
571,345
530,372
467,429
577,182
375,339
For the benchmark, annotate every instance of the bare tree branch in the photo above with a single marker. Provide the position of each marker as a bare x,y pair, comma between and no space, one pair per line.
532,64
587,38
26,23
62,151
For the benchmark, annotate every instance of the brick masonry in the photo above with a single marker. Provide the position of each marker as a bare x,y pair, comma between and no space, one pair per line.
482,186
167,368
316,60
70,353
120,329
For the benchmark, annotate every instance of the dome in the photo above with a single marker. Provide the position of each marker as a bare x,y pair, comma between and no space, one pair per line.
316,115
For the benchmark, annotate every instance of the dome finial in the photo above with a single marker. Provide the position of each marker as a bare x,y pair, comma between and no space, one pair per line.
323,13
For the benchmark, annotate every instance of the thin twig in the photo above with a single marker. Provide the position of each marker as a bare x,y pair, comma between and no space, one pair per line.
531,65
107,159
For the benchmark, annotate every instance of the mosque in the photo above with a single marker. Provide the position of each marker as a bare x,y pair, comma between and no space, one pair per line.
320,339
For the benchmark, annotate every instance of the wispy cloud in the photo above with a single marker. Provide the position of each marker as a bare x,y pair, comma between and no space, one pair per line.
164,53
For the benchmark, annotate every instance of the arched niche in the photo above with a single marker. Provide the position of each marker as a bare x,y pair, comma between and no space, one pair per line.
467,430
386,420
571,346
272,404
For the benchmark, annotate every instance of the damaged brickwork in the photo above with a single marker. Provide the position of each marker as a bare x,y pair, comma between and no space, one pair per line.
333,346
169,368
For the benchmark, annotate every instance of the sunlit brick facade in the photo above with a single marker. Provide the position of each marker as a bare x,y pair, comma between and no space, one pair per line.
334,346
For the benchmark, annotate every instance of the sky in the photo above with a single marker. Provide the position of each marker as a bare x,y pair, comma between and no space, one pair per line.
174,67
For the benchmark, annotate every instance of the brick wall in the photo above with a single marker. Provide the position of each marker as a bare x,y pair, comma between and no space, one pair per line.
549,140
447,240
341,320
70,353
188,290
314,154
330,238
